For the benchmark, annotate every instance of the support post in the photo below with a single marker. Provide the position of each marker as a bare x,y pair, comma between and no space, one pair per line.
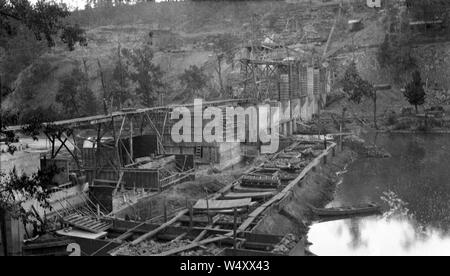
165,210
191,216
235,229
207,210
375,108
117,139
97,150
131,141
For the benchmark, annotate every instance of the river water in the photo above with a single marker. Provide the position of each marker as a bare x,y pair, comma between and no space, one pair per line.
414,189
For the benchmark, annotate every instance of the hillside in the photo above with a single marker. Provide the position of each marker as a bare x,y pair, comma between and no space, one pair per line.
184,34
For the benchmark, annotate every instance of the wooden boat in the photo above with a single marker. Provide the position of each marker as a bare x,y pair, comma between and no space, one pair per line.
346,211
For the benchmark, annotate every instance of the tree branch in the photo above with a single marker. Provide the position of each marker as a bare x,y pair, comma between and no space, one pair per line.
11,16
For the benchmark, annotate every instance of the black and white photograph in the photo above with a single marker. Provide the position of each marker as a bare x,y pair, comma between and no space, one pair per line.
240,131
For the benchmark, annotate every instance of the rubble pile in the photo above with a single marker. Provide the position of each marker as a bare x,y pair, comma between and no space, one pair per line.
438,97
211,250
297,158
151,247
286,244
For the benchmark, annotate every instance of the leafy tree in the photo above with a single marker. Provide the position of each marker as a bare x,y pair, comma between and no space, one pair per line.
414,91
354,86
396,52
71,35
44,19
120,82
20,52
74,95
15,190
396,55
194,80
146,75
29,83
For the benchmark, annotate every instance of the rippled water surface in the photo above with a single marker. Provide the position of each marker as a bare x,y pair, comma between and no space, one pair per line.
413,185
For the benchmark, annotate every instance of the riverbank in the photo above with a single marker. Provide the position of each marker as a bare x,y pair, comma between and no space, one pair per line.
415,179
443,131
292,215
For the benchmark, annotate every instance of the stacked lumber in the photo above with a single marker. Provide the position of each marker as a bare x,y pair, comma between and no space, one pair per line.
260,181
254,195
213,204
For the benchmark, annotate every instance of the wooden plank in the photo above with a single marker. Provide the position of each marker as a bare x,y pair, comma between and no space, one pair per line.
157,230
246,252
195,244
98,230
101,226
203,220
254,195
70,216
97,119
77,220
252,216
213,204
81,234
230,211
214,196
94,224
84,228
241,189
203,233
89,223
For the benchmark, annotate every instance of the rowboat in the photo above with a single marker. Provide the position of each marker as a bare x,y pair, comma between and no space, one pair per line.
346,211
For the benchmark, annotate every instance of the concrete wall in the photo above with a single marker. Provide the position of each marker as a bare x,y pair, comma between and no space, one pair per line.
229,154
285,111
296,108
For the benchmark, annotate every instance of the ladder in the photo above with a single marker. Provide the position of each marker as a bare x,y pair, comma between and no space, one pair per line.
198,151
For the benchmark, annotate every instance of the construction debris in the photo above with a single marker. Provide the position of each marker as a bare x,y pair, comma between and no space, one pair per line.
287,243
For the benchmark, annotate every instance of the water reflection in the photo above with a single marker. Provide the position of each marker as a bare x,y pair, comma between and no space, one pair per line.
414,185
376,236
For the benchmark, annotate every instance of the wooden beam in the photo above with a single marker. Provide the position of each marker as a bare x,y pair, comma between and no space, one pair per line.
100,119
195,244
382,86
131,140
252,216
157,230
74,156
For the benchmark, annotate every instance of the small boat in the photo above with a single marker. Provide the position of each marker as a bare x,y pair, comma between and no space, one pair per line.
346,211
